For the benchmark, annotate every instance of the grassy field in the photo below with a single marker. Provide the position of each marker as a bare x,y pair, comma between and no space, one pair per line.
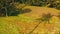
25,23
9,25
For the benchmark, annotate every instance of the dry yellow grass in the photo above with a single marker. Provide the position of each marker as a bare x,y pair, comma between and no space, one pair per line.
37,12
25,23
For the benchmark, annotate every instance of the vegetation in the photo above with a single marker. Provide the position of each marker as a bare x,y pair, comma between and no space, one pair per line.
11,26
6,28
11,14
7,8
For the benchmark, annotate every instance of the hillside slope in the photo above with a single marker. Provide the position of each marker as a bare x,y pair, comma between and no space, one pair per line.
25,23
38,11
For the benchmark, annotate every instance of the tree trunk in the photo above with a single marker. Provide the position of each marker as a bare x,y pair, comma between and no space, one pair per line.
6,12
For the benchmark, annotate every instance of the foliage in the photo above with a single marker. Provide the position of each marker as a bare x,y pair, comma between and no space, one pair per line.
48,3
7,8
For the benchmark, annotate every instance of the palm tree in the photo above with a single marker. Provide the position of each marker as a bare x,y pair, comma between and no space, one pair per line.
44,18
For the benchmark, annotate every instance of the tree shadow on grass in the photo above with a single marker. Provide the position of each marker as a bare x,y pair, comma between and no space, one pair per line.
27,10
20,11
14,12
23,11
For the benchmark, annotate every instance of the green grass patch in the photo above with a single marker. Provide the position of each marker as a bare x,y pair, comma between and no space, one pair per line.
17,18
6,28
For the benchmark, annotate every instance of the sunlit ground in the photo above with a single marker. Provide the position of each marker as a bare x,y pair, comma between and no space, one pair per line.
25,23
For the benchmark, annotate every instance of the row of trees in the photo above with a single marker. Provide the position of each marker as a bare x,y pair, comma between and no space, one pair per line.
48,3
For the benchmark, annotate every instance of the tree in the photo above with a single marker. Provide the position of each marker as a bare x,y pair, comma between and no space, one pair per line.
4,4
44,18
7,7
